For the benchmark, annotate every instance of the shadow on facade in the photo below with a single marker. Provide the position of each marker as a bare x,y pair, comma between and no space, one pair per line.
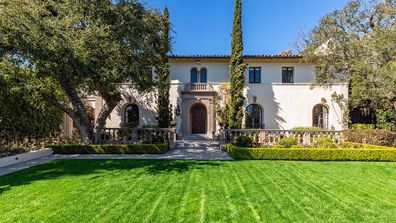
271,109
145,102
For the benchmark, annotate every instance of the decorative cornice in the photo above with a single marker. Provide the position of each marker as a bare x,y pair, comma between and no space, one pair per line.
226,58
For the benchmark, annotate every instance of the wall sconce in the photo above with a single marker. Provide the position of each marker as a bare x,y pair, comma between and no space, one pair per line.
177,110
219,111
131,100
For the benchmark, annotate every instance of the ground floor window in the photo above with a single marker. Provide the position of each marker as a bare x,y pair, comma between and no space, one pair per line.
320,116
253,117
131,116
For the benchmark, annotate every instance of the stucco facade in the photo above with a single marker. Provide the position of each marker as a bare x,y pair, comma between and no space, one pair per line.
283,105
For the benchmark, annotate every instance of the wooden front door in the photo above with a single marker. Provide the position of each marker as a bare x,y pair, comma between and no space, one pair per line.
198,119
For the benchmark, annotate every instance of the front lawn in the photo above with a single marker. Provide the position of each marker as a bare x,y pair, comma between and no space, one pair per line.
200,191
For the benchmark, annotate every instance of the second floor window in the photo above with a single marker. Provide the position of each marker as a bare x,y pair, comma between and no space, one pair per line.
203,75
287,75
200,76
194,75
254,75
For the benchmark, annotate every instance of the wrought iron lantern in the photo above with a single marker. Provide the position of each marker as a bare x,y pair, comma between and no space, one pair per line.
177,110
219,111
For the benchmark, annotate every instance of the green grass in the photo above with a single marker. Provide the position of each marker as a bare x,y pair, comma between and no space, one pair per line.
200,191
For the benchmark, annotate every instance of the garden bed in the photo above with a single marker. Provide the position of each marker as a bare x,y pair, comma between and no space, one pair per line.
366,153
112,149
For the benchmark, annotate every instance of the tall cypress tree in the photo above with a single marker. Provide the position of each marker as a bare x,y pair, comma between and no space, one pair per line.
236,69
164,110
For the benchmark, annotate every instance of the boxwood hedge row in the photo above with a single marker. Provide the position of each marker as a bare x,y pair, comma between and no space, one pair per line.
111,149
316,154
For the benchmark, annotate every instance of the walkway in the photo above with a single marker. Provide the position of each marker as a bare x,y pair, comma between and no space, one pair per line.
185,150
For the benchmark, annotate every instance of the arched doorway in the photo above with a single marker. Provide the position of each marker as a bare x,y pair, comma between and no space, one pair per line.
198,115
320,116
253,116
131,116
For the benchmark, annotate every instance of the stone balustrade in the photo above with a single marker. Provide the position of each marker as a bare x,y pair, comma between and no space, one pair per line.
193,87
138,135
272,136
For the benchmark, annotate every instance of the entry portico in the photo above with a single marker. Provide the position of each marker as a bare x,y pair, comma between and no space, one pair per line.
198,112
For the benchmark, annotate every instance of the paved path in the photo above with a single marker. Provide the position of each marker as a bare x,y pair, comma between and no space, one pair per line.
185,150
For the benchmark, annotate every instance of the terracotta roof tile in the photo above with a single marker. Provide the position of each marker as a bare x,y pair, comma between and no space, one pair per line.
263,56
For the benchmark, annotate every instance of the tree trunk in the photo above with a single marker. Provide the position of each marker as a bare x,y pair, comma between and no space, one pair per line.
80,118
89,133
108,107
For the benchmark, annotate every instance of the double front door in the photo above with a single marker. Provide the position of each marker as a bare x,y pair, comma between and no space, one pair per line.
198,114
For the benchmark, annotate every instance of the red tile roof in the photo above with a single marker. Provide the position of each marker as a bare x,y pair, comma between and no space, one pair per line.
278,56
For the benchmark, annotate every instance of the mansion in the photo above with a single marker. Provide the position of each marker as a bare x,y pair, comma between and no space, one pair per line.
279,89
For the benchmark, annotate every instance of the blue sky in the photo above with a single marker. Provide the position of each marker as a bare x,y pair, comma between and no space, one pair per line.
269,26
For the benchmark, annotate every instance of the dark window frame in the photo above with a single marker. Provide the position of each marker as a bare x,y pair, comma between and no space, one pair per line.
132,115
287,75
320,116
206,75
196,75
254,75
254,120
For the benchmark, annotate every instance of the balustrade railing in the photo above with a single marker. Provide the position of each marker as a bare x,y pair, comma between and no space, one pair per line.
272,136
137,135
198,87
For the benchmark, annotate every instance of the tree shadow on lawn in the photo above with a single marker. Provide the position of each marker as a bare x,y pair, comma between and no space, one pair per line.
61,168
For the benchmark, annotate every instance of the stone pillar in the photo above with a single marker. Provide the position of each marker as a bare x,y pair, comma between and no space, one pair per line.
98,105
67,126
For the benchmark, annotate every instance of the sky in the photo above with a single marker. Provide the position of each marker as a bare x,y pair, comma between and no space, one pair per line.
269,26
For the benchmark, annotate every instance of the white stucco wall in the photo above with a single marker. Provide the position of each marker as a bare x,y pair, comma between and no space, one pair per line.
285,105
272,72
216,72
145,102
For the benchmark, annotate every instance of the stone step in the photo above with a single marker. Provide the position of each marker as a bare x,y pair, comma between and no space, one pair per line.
196,144
197,137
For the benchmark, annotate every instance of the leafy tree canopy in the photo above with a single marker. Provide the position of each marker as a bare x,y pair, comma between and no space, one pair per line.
357,45
22,113
81,48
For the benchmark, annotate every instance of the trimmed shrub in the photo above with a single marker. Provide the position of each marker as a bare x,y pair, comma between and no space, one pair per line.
362,126
9,151
324,143
381,137
243,141
315,154
352,145
287,142
311,128
111,149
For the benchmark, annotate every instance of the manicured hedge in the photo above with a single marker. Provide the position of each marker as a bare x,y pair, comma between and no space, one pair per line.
371,153
111,149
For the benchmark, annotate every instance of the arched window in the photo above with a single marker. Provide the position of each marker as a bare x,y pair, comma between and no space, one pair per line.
194,75
203,75
131,116
253,116
320,116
